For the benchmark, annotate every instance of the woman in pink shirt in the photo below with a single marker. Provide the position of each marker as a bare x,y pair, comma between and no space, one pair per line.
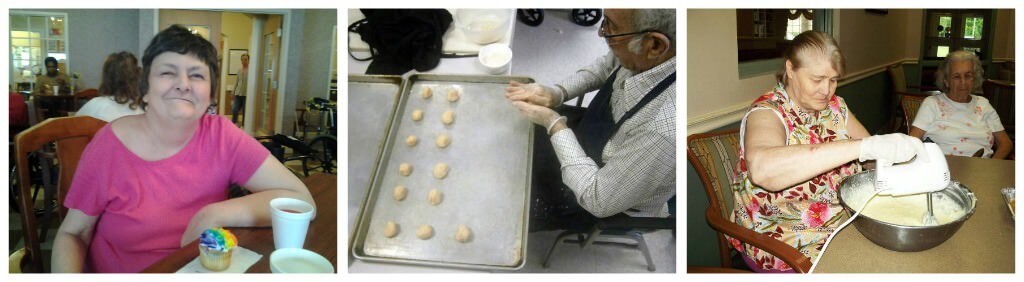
150,184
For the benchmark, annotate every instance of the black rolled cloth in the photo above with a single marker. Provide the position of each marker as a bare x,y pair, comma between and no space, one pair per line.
403,39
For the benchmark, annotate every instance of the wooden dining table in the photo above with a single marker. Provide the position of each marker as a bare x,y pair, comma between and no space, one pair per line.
984,244
321,238
54,105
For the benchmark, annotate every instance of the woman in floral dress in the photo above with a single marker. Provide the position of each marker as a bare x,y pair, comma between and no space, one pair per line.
798,142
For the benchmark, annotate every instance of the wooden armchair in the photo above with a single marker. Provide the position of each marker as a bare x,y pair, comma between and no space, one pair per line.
910,104
71,135
713,156
1000,94
900,89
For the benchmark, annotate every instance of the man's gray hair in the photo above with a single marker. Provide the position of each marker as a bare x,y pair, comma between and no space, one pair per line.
663,20
944,69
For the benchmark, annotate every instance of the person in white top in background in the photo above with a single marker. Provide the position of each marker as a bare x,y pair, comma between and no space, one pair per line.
119,89
960,123
241,82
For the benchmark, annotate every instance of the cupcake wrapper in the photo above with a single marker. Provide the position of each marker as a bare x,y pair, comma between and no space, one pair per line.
213,259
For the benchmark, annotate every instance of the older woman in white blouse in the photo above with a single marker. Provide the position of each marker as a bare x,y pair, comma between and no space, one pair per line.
960,123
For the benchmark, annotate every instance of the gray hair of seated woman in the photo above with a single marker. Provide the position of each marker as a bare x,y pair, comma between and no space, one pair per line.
943,71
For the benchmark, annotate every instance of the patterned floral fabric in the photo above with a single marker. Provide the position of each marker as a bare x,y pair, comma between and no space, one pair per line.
960,129
804,215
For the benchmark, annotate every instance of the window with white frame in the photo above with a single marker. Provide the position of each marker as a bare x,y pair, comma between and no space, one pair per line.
33,37
800,24
763,34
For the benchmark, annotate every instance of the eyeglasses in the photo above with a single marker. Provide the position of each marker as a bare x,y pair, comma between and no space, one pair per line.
603,32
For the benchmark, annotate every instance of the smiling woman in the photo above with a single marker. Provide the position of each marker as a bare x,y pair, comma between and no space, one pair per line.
152,183
179,88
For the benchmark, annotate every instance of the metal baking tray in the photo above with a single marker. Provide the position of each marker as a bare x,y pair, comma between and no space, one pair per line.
1009,196
374,99
487,187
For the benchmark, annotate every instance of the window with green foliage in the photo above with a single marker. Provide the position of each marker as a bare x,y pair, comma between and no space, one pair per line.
973,27
951,30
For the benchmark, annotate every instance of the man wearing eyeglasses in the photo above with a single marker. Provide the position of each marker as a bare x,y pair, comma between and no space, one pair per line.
620,156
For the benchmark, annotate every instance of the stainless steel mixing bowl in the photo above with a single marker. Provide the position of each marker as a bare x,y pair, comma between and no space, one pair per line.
901,237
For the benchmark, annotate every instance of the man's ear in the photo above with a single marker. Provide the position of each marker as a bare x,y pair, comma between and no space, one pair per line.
658,46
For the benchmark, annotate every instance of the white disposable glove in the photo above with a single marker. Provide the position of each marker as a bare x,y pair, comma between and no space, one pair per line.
890,148
540,115
532,93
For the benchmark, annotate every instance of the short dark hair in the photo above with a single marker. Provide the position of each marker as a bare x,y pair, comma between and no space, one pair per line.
121,79
49,60
179,40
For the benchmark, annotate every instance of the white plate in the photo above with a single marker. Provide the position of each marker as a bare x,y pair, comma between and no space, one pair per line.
295,260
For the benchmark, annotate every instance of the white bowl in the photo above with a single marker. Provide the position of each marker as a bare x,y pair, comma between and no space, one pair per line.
295,260
483,26
495,58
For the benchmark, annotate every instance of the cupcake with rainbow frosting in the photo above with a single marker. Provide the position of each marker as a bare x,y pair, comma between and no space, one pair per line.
215,246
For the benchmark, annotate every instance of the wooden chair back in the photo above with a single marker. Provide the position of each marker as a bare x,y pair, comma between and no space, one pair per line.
898,77
910,104
71,135
714,156
84,96
1000,94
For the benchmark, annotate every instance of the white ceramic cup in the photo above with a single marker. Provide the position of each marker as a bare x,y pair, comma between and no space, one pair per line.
290,220
495,58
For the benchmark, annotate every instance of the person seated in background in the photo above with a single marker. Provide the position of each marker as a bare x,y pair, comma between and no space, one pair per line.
149,184
52,77
961,124
119,89
17,113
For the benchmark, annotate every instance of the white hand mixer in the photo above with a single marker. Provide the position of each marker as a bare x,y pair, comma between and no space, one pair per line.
926,173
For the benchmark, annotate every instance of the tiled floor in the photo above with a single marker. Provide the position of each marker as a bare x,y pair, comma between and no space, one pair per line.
555,49
570,258
15,235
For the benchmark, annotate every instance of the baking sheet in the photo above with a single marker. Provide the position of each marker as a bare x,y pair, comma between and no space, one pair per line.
454,40
1009,196
487,187
374,99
